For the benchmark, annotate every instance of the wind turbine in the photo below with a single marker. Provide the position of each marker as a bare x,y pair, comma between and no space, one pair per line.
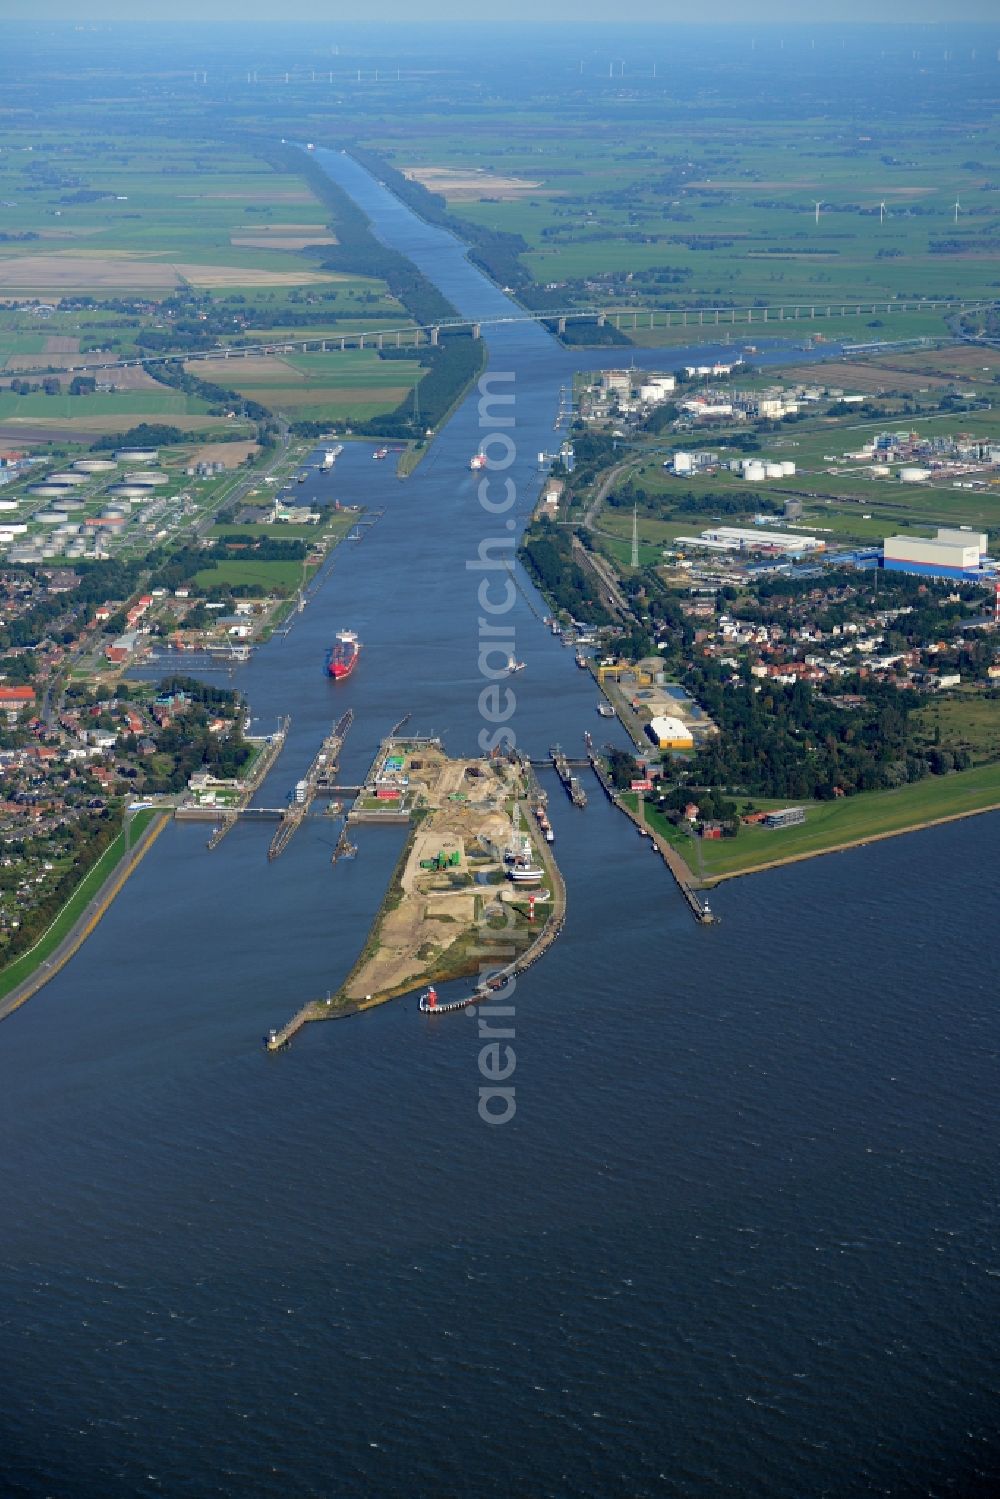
958,208
881,213
819,205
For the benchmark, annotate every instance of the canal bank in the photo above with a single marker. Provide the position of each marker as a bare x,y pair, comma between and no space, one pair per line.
81,913
728,1155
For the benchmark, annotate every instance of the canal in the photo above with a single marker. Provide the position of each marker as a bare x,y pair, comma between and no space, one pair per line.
738,1238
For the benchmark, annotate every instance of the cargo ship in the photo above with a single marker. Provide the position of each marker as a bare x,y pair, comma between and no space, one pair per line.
381,453
513,666
477,461
343,658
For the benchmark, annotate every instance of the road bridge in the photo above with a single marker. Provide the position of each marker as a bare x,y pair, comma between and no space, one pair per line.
624,319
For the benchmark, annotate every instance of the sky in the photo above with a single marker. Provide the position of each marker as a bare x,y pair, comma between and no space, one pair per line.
643,12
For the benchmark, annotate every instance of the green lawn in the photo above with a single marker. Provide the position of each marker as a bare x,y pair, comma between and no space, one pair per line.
283,577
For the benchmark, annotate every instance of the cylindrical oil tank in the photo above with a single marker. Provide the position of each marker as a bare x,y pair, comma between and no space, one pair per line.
48,491
50,517
755,472
95,465
773,471
137,455
148,480
914,475
67,477
128,492
787,468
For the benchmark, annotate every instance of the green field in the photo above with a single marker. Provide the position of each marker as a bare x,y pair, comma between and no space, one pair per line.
354,385
283,577
830,824
695,211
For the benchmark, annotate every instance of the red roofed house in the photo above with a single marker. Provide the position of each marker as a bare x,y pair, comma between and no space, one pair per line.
14,699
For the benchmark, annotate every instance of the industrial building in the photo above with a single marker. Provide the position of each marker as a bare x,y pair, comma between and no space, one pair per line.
670,733
951,554
737,539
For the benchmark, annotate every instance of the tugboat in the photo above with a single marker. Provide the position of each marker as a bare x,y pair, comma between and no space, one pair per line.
605,710
513,666
343,657
477,461
381,453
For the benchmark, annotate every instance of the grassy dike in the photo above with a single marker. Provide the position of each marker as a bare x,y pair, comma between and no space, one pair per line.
100,884
830,827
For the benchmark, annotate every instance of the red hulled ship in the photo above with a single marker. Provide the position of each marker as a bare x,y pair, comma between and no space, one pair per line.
343,658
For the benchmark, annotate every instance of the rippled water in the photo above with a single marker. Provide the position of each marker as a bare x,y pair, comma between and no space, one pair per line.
740,1238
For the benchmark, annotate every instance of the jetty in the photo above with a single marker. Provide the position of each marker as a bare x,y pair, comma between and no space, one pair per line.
574,790
320,777
699,908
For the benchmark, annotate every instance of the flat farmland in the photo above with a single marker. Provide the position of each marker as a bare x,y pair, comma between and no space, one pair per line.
158,217
353,385
668,214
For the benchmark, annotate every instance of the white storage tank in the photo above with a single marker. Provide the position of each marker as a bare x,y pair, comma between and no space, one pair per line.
787,468
137,455
66,478
50,517
95,465
773,471
128,492
914,475
147,480
48,491
755,472
73,505
683,463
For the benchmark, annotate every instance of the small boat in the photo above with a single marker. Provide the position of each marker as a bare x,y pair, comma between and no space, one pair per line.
605,710
381,453
513,666
581,661
477,461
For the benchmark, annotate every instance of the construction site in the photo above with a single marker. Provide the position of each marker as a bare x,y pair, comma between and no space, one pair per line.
451,886
474,891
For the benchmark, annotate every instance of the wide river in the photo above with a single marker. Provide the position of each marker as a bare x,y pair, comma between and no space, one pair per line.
740,1238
